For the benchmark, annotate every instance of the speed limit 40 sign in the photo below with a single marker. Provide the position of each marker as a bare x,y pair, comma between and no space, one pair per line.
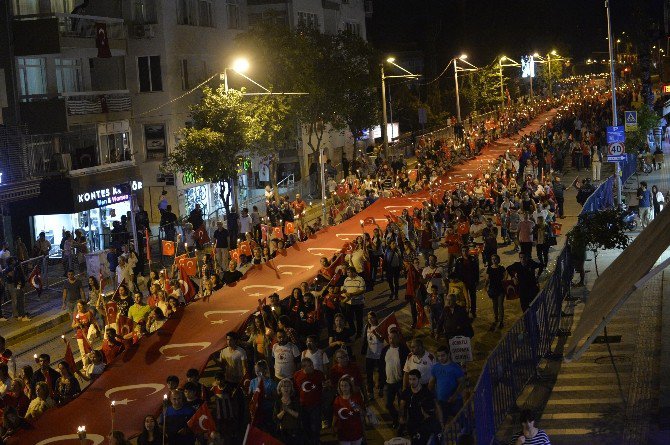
616,152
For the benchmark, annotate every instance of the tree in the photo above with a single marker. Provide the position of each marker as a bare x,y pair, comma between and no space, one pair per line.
338,72
604,229
481,88
224,124
647,120
543,76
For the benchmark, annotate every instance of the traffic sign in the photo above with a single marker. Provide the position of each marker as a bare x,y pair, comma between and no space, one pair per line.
630,120
620,158
616,149
616,134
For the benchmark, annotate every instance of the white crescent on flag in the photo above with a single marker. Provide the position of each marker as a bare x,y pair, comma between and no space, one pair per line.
94,439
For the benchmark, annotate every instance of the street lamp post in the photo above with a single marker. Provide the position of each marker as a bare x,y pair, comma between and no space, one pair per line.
385,137
462,58
500,67
408,75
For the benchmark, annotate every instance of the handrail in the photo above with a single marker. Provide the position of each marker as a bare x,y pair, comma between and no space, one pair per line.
91,93
90,17
290,179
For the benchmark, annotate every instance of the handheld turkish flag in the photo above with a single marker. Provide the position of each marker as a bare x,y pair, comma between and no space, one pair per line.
188,287
260,437
245,248
277,233
124,325
388,323
111,311
69,356
421,318
168,248
201,235
35,279
255,403
264,232
190,265
369,221
289,228
202,421
235,255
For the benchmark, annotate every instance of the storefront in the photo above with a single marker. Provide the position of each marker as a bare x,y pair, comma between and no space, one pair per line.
207,194
89,203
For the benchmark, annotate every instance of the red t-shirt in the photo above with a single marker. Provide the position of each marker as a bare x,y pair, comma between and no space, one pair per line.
348,418
352,370
309,386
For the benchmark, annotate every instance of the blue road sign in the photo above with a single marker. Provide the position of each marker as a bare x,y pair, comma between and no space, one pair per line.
618,158
616,134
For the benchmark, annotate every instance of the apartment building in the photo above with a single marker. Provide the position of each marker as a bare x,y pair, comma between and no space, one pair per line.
68,111
329,17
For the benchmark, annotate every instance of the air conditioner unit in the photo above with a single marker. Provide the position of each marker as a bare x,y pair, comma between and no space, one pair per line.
368,8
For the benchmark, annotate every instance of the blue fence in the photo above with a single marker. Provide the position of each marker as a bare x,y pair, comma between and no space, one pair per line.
514,361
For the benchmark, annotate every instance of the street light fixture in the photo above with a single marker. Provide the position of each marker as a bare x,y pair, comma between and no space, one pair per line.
408,75
500,67
240,66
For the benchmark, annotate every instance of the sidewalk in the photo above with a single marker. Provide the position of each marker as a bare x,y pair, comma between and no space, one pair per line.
602,399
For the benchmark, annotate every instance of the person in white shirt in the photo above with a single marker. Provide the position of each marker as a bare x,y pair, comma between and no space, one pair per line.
124,272
353,290
245,223
372,348
286,356
434,274
233,360
419,359
318,356
393,358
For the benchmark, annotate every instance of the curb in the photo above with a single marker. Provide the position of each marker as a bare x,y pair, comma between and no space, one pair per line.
34,329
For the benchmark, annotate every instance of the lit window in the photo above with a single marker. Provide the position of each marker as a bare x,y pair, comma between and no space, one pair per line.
68,75
32,76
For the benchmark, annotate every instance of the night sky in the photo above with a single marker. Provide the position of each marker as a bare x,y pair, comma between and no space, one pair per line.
485,29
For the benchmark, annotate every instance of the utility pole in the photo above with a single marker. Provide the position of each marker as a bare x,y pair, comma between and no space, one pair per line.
614,109
458,99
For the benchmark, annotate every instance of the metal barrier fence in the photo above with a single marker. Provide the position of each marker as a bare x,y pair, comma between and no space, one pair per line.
514,361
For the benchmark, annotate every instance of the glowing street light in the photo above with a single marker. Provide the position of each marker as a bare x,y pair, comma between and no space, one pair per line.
240,65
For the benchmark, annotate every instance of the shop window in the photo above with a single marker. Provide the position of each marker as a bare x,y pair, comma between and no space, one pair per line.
68,75
155,142
32,76
149,73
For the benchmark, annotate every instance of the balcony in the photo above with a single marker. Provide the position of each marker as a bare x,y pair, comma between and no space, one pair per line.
75,108
52,33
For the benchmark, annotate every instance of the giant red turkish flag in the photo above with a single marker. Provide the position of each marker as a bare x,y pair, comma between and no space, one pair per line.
136,378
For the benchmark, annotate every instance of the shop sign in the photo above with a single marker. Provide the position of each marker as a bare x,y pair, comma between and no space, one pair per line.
109,195
190,178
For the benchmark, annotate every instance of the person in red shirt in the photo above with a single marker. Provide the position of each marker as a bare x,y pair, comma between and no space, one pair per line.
308,384
452,240
17,398
348,413
343,367
111,347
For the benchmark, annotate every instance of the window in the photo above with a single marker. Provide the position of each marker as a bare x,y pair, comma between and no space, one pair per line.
154,140
187,12
68,75
308,20
149,71
183,64
32,75
353,27
26,7
206,10
233,14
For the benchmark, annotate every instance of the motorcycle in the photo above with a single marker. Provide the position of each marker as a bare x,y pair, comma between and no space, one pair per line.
645,166
629,217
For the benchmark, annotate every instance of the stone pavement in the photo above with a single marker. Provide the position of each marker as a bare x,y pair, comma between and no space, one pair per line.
602,399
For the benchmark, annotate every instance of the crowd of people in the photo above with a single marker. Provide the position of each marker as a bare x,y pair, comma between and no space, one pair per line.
318,359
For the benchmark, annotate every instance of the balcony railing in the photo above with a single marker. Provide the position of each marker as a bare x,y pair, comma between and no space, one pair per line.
95,102
83,26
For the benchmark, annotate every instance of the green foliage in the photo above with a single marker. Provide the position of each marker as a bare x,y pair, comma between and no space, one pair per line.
481,88
542,70
604,229
339,73
647,120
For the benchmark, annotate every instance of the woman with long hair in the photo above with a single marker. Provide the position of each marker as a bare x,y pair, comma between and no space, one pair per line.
151,433
348,413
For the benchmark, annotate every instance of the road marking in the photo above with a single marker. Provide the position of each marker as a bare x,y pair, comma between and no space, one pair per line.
586,401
